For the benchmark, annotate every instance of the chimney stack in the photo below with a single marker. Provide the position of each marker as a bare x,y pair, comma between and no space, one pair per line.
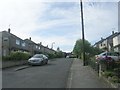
101,38
40,43
30,38
9,30
112,32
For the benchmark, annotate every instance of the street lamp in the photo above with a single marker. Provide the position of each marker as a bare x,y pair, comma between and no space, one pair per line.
83,38
52,45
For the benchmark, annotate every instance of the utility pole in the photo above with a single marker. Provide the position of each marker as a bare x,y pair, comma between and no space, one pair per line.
83,38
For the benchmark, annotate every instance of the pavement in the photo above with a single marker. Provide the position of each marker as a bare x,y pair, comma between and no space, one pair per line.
84,77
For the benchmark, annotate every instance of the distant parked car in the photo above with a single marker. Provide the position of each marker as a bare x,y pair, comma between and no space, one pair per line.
38,59
71,56
114,56
67,56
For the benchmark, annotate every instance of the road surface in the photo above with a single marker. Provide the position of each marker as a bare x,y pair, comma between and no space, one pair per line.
53,75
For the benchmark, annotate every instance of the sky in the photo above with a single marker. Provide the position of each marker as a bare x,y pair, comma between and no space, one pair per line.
59,21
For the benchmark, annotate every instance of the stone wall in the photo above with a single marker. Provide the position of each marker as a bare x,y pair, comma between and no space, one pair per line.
6,64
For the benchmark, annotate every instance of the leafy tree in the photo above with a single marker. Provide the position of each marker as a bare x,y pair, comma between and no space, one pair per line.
96,51
59,54
89,50
78,48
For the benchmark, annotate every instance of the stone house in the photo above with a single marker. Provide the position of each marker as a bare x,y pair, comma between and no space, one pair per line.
10,43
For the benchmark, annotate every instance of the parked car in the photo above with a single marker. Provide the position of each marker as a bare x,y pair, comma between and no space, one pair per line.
67,56
114,56
71,56
38,59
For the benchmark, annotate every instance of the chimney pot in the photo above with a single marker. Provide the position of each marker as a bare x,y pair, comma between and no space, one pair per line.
112,32
30,38
101,38
40,43
8,30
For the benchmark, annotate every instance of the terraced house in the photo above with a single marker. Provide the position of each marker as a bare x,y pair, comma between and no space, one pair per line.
110,43
11,43
116,42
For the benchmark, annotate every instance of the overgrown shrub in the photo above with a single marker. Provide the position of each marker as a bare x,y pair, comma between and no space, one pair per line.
108,64
6,58
108,74
93,63
115,79
51,56
17,56
59,55
55,55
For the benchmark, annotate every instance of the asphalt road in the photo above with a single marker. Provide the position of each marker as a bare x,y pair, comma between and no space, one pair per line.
53,75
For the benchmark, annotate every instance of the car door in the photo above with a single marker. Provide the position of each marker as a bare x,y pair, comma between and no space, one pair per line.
114,56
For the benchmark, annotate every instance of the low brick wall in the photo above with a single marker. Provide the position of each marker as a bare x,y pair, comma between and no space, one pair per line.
6,64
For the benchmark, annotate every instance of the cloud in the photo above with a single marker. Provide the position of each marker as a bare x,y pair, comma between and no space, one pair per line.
58,21
25,17
21,15
100,20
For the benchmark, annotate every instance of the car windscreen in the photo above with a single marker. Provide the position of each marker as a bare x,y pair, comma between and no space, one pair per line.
103,54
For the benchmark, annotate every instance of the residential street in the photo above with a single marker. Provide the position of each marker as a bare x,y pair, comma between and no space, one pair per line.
53,75
60,44
59,73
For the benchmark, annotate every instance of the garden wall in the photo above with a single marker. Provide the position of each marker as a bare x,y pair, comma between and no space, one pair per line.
6,64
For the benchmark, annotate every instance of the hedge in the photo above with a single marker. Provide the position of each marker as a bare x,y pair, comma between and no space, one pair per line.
17,56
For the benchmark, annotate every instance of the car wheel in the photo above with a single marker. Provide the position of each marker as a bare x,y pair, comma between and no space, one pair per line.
28,63
42,63
46,62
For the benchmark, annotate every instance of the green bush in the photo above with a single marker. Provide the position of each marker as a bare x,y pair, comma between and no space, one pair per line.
6,58
108,74
110,65
51,56
92,62
17,56
59,54
55,55
115,79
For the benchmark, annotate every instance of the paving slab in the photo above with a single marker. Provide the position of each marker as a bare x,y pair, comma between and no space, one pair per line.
84,77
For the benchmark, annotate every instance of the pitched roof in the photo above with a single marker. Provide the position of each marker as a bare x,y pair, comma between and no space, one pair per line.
109,37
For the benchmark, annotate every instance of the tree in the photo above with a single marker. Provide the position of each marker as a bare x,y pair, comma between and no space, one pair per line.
78,48
96,51
89,50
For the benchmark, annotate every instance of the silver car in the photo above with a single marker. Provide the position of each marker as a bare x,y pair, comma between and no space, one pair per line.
38,59
108,56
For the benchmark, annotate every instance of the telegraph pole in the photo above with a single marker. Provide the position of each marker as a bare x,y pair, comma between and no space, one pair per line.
83,38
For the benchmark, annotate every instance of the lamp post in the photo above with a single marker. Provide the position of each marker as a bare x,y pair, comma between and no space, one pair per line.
83,38
52,45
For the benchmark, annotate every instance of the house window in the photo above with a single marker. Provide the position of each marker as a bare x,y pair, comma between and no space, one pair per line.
5,38
4,52
36,46
17,42
23,44
39,47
